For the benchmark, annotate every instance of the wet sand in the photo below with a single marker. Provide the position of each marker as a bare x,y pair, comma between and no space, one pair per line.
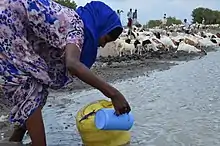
113,68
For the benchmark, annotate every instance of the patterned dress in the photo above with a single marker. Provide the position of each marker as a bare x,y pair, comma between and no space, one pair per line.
33,34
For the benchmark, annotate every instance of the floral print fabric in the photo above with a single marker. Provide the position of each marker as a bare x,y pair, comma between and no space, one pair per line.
33,34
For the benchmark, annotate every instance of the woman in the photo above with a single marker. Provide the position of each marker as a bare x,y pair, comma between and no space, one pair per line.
42,45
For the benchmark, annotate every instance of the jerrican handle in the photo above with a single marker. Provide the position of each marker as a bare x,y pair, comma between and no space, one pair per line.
87,115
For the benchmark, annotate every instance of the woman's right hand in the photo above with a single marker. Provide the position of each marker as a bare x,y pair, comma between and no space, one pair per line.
120,103
75,67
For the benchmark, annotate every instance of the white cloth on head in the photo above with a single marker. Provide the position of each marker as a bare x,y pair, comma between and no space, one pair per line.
130,14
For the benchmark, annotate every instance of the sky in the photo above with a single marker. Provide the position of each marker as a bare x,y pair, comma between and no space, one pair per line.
154,9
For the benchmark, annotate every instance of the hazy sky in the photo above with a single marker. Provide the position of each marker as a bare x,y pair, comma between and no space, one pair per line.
154,9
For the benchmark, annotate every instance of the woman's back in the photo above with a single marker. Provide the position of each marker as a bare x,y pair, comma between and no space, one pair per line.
25,23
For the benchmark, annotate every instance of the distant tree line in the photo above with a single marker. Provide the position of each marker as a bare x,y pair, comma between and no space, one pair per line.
170,21
67,3
198,14
210,16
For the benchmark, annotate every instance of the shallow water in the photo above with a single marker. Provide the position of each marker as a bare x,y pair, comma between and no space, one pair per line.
179,107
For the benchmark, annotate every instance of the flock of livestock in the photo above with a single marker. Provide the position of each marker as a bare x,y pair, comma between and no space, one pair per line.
175,39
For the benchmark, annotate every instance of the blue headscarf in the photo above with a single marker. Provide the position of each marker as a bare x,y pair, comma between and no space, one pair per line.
99,19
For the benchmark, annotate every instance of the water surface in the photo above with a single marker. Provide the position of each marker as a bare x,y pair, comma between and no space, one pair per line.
176,107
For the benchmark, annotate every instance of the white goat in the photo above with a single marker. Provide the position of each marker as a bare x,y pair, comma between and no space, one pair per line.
122,46
168,42
206,42
187,48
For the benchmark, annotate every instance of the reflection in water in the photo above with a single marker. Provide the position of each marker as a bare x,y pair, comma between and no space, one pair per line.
179,107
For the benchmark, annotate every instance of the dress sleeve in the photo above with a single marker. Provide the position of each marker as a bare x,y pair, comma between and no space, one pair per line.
56,24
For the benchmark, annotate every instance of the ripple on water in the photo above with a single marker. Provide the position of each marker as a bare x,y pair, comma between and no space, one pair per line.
176,107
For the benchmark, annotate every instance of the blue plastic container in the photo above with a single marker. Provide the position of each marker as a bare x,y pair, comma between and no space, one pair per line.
105,119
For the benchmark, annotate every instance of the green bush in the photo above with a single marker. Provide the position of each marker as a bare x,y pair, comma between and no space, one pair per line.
67,3
170,21
210,16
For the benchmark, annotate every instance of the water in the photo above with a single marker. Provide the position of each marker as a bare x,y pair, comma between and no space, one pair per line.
176,107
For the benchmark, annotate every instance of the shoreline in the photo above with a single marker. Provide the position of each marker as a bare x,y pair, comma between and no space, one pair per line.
112,73
116,69
113,70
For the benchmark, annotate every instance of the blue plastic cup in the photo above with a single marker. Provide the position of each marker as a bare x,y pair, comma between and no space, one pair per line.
105,119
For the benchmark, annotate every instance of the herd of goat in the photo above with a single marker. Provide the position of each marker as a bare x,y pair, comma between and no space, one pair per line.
140,40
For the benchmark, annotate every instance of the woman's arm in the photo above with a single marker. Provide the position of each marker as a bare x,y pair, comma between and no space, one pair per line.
75,67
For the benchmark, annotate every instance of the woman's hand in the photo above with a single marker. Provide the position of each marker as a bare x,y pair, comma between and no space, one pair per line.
120,104
75,67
